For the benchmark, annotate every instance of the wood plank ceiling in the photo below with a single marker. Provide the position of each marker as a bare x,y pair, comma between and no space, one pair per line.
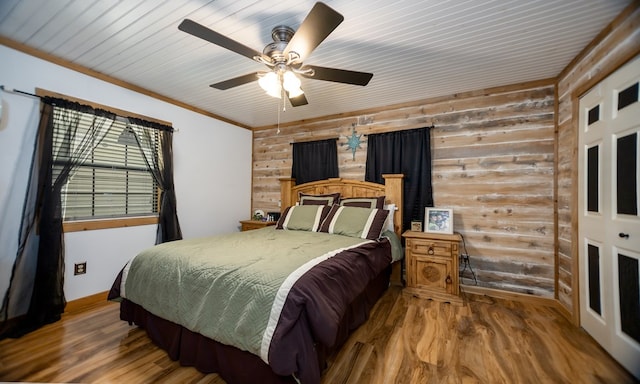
415,49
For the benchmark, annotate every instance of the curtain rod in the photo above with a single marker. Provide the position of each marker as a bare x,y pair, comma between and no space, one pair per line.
432,126
11,90
338,138
311,141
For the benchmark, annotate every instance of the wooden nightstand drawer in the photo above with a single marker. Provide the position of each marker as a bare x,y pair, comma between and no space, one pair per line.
431,248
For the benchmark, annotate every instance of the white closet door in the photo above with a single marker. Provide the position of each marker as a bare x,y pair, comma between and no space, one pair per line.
609,223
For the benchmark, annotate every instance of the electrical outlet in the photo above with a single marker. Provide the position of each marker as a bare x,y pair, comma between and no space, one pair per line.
80,268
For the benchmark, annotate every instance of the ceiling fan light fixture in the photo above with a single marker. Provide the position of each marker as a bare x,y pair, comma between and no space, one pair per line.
271,84
275,93
291,83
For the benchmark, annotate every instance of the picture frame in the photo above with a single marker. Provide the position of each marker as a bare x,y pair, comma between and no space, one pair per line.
416,226
438,220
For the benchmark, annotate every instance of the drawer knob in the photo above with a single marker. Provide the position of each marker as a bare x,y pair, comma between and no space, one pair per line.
430,250
448,279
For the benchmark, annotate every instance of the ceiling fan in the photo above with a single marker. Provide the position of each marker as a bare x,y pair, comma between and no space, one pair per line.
285,55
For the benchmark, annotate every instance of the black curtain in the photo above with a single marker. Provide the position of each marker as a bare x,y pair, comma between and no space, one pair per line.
161,166
38,270
314,160
407,152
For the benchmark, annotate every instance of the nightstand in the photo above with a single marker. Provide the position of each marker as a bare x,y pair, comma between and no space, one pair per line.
248,225
432,264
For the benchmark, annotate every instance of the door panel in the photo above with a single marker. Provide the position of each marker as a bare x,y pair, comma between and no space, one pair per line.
593,279
626,171
628,287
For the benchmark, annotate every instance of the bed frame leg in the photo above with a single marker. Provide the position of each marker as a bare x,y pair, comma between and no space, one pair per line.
396,274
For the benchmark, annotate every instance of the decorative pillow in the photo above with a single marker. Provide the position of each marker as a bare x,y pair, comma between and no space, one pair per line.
364,202
328,199
303,217
355,222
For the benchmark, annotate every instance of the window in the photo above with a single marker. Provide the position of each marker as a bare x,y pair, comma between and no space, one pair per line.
113,180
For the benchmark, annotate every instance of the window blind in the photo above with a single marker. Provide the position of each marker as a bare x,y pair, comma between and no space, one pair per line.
113,180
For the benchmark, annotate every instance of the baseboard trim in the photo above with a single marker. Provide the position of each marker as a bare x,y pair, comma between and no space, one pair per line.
73,306
84,302
507,295
565,312
516,296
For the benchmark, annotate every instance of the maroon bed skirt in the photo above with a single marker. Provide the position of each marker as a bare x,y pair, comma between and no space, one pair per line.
233,364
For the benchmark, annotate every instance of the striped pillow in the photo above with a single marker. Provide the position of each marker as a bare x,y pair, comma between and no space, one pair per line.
303,217
365,223
328,199
363,202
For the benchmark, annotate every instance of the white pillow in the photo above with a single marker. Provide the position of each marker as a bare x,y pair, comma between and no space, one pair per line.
388,225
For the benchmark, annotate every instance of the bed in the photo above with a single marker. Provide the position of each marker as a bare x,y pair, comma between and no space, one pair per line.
270,305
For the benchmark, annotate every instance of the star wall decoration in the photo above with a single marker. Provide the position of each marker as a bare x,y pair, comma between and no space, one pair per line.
354,141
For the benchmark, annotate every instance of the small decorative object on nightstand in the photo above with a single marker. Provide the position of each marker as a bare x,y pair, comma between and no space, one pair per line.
432,266
248,225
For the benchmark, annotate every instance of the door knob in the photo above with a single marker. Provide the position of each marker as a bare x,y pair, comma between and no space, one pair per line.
623,235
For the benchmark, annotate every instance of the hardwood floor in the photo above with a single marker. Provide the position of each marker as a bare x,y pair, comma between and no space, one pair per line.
406,340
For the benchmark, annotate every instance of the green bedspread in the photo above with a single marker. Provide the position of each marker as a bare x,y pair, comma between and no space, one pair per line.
224,286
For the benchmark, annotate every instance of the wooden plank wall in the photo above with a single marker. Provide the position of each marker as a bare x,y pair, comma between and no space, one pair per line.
611,49
493,163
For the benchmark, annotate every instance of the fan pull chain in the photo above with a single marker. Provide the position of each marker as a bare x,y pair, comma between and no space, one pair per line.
278,108
284,104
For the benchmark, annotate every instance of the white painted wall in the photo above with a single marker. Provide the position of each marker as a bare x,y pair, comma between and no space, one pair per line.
212,161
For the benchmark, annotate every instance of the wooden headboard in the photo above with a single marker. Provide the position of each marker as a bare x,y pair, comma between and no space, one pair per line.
392,190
